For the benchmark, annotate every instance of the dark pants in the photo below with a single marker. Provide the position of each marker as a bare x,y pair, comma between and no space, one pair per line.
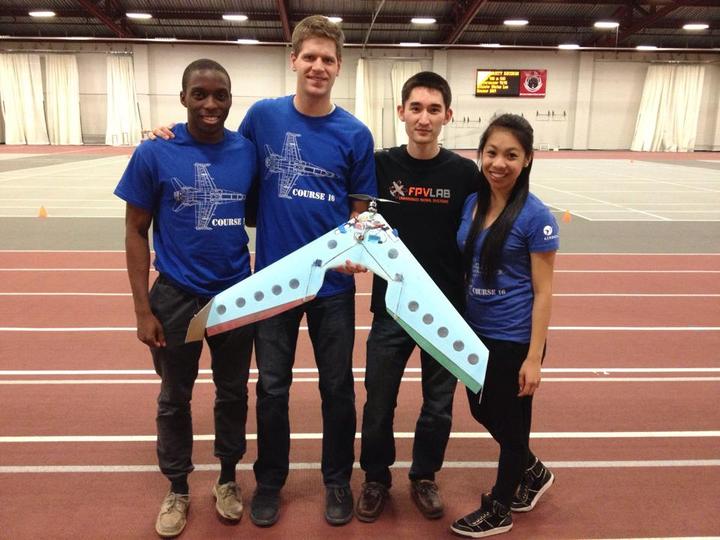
177,366
331,323
388,350
506,416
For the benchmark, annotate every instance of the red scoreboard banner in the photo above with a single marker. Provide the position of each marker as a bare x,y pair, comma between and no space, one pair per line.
511,83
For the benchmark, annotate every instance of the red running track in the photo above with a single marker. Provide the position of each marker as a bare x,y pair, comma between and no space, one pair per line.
626,415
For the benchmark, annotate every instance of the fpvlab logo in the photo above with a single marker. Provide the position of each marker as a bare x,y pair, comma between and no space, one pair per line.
397,189
547,231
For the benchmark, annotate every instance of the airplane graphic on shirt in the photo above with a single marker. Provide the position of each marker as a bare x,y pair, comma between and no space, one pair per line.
289,165
205,196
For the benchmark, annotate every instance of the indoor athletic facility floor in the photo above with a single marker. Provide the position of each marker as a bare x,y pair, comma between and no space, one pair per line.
626,417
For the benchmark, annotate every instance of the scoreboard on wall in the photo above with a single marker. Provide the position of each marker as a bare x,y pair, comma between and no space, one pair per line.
511,83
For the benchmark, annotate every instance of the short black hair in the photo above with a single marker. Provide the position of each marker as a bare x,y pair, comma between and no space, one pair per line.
201,65
427,79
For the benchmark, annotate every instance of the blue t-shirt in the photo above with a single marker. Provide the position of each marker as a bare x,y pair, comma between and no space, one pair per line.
503,309
196,193
308,166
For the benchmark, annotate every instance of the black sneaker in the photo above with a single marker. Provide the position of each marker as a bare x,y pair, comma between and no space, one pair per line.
371,501
536,481
265,506
491,518
338,505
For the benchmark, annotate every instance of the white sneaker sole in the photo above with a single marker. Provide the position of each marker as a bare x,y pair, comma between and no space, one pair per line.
537,497
483,534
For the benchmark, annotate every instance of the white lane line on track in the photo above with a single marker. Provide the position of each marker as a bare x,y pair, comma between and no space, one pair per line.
576,271
74,469
36,382
398,435
561,254
599,370
558,295
304,328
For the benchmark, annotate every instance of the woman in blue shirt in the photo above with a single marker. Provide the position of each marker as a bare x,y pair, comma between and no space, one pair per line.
509,238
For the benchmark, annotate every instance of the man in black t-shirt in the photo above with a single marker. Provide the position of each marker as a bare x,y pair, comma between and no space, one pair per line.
431,185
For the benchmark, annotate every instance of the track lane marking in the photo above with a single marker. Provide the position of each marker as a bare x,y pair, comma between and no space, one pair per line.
557,295
304,328
598,370
68,382
75,469
398,435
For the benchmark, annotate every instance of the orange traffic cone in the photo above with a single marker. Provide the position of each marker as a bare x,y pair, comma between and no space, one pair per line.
42,213
567,216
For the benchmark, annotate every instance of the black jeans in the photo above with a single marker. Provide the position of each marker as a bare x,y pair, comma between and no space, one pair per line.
331,323
388,350
177,366
505,415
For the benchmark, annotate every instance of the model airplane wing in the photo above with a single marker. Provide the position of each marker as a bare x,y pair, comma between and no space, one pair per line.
412,298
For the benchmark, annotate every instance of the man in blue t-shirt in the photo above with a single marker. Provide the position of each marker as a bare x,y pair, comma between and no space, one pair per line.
192,189
312,154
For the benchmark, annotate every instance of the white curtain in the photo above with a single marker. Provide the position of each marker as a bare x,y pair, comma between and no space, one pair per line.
369,100
63,99
669,109
123,117
21,93
401,72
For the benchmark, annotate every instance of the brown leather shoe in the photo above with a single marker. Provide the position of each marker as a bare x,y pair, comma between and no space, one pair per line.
427,498
371,501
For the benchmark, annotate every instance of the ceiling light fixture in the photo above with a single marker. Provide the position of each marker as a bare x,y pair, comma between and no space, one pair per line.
41,13
423,20
696,26
236,17
136,15
568,46
490,45
410,44
515,22
333,19
606,24
246,41
646,48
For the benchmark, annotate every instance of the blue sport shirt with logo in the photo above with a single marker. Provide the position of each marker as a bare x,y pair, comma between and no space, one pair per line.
196,193
503,309
308,167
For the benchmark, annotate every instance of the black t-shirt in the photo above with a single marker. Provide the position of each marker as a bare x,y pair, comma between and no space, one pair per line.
431,193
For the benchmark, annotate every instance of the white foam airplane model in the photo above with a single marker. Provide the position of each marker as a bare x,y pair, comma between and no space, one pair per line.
412,298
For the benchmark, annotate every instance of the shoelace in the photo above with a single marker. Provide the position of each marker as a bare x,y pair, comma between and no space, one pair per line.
484,514
339,494
227,491
173,503
374,491
427,488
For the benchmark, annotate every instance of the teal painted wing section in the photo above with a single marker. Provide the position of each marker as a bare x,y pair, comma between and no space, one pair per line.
412,297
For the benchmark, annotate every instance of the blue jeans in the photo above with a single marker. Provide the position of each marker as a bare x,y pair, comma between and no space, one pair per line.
388,350
177,366
331,324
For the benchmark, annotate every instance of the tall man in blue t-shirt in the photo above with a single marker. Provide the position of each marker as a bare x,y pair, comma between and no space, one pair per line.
192,189
312,154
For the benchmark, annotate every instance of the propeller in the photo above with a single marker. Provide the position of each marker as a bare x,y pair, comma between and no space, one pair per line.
364,197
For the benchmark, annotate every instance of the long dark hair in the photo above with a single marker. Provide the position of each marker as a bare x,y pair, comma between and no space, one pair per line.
491,250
